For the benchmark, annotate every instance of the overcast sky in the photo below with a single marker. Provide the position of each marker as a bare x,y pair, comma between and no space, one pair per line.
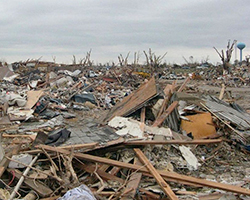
62,28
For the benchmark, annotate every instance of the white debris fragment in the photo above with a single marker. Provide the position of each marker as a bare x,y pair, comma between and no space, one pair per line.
189,157
127,127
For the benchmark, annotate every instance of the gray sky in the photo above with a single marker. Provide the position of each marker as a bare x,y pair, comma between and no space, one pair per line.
31,29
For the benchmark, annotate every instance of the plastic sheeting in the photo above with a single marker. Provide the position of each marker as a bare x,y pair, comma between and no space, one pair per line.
80,193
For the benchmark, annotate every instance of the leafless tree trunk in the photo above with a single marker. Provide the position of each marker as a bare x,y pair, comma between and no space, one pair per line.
152,60
226,58
136,58
122,61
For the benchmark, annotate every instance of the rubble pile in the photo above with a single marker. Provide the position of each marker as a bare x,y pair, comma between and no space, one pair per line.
77,134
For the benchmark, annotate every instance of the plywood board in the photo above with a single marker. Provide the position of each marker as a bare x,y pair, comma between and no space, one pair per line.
134,101
200,125
33,97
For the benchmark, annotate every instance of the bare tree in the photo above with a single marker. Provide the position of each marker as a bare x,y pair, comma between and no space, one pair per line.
74,60
226,58
136,58
205,60
152,60
86,61
54,59
185,60
123,61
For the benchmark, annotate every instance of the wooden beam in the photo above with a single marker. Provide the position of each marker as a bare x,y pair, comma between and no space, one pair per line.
184,84
164,186
159,120
79,146
143,115
163,106
167,175
32,137
114,170
181,142
133,184
91,169
149,194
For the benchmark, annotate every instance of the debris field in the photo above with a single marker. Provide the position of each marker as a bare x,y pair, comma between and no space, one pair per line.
71,132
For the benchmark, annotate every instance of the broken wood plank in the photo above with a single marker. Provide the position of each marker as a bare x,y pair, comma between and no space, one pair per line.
134,101
184,84
90,168
85,147
150,194
185,192
164,186
159,120
163,107
79,146
33,97
133,184
143,114
167,175
214,196
181,142
32,137
114,170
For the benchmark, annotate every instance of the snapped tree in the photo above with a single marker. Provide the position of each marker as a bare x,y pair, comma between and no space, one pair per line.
152,60
226,58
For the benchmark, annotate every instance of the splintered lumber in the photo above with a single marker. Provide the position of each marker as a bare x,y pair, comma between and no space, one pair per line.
134,101
175,177
114,170
163,107
184,84
159,120
143,114
106,176
79,146
149,194
32,137
164,186
133,184
181,142
33,97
